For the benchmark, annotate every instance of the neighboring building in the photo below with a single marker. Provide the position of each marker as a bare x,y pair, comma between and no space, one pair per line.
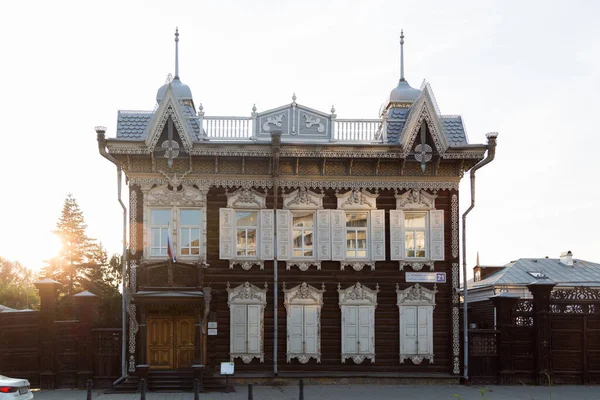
326,215
514,277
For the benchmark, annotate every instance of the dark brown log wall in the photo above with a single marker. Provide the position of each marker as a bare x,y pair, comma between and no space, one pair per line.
386,273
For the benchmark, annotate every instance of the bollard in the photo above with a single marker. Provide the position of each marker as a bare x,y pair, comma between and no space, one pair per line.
143,389
90,385
301,387
196,389
250,395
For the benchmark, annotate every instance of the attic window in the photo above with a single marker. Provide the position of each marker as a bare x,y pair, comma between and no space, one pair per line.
537,275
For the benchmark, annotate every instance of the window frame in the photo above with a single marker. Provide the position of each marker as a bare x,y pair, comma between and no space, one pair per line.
425,231
246,228
302,229
151,227
365,229
181,226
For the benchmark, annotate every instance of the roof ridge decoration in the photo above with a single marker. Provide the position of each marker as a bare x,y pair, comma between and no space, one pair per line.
169,107
423,110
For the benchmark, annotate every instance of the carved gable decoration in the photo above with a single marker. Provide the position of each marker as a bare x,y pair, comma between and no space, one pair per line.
246,198
423,111
304,294
415,199
357,200
247,293
296,122
181,195
169,107
303,199
416,295
358,294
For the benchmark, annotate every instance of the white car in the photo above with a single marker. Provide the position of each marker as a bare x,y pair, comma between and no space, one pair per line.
14,389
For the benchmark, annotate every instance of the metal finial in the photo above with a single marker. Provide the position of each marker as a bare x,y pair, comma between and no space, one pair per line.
294,97
177,53
254,108
402,55
332,109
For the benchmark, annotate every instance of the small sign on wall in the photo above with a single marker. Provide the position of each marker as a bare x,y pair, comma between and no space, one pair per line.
426,277
212,325
227,368
212,332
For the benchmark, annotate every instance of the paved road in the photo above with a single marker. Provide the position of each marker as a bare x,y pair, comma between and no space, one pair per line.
357,392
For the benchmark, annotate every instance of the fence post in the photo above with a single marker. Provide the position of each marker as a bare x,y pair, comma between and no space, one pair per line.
504,303
48,293
541,290
90,385
250,394
301,388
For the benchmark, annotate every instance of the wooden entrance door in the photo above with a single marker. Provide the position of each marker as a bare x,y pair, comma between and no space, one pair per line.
171,341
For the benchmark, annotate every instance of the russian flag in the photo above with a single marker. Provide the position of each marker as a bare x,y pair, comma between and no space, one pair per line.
170,247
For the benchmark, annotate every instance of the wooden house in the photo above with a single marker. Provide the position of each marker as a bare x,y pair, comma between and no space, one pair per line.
293,242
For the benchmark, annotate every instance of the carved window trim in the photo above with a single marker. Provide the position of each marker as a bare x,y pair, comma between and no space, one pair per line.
416,202
358,201
303,295
358,296
175,199
422,300
247,295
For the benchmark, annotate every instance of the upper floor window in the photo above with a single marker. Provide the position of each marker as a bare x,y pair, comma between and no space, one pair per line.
189,232
182,214
302,233
246,223
356,234
160,220
246,232
416,230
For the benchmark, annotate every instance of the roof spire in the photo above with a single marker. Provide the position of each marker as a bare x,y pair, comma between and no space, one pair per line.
477,262
402,55
176,53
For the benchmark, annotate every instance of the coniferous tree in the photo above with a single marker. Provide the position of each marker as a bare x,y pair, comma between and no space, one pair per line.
16,288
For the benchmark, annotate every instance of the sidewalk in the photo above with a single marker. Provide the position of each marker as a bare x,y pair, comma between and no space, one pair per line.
356,392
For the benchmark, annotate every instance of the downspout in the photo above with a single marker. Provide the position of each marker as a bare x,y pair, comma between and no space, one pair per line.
491,147
275,142
100,131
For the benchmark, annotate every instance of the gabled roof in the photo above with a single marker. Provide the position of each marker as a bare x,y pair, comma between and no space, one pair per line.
517,273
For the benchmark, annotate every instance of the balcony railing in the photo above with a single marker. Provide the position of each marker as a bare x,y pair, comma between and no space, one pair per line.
245,128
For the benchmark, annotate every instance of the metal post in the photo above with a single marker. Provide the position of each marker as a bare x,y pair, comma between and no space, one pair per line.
90,385
301,388
196,389
143,389
250,395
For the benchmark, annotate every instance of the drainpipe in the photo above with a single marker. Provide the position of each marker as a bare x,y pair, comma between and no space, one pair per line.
100,131
275,142
491,147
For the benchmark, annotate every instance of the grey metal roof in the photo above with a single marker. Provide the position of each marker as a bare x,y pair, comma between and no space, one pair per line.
583,273
133,124
396,120
192,123
454,129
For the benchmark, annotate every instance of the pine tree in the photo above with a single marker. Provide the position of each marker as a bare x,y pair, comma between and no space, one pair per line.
78,266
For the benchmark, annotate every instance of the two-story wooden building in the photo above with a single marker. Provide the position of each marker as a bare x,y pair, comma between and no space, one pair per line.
285,240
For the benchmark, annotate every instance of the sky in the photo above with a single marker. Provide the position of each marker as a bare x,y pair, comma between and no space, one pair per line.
526,69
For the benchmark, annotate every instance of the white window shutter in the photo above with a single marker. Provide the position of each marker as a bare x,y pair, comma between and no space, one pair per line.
436,235
296,329
284,235
323,243
267,231
425,334
310,330
378,235
396,235
338,235
226,233
365,329
238,328
350,328
254,329
408,330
